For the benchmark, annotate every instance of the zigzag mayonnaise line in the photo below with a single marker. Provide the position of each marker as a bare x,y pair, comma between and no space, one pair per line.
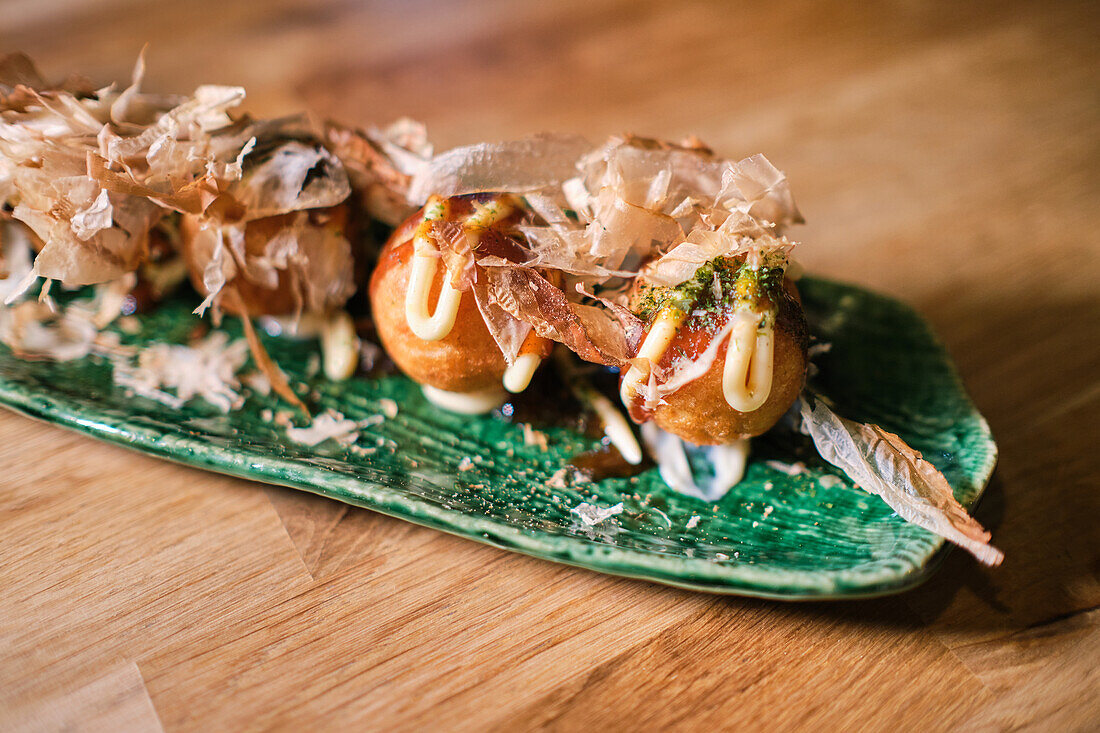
461,350
748,369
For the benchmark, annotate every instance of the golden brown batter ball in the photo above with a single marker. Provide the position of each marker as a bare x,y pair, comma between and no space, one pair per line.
465,360
698,411
322,283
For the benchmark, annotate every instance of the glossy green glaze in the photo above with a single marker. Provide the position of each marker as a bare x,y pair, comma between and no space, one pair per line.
774,535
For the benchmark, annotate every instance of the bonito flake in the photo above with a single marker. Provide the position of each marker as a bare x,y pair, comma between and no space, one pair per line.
65,149
881,463
90,172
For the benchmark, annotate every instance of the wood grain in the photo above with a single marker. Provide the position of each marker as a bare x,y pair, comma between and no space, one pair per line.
949,154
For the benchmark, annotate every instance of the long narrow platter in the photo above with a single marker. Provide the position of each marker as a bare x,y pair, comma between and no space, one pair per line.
793,529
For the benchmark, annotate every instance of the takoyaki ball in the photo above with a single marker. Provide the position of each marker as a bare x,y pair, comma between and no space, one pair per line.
699,412
742,394
319,279
467,359
433,331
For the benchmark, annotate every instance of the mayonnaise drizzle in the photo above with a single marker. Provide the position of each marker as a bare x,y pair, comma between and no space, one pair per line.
519,373
435,326
615,426
429,326
747,374
339,346
671,453
466,403
748,369
653,347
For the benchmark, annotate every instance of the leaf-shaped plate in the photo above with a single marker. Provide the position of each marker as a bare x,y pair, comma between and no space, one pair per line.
807,535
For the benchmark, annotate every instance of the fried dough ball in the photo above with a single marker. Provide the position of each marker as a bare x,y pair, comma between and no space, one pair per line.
698,411
465,358
319,279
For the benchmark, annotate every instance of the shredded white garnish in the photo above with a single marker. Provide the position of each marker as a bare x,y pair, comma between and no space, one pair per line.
206,369
330,425
32,329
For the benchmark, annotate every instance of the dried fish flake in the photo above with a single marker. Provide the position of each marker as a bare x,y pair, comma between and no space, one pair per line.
592,514
329,425
882,464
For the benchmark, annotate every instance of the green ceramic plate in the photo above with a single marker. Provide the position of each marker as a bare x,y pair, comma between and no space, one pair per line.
804,536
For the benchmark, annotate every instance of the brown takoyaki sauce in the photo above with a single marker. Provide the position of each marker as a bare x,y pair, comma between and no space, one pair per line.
608,462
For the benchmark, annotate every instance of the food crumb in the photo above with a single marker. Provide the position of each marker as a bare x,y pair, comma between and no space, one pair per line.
369,354
465,464
313,365
129,325
257,382
534,437
266,415
591,514
693,522
791,469
557,480
389,407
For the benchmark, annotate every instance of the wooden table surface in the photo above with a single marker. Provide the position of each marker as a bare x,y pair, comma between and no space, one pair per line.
949,155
